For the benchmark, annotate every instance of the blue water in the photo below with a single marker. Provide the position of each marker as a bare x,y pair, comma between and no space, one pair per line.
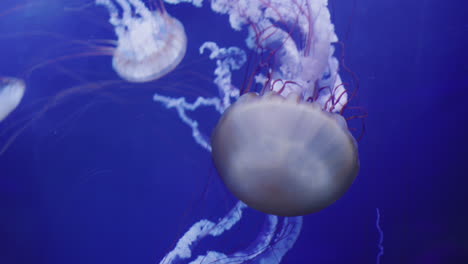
109,176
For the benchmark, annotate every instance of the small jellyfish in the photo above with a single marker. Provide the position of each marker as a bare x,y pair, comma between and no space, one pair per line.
11,93
150,43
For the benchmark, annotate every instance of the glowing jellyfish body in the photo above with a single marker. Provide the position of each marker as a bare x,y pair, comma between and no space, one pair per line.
11,93
282,156
150,43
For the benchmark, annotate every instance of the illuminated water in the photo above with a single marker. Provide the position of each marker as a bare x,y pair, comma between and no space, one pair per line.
109,176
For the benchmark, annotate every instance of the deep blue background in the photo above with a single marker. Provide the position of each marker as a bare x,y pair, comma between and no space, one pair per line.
109,176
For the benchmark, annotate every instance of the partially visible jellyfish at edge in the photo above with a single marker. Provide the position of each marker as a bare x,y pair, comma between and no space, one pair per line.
11,93
150,43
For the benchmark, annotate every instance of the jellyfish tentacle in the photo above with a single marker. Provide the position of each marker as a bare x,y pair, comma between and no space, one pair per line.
201,229
113,11
271,244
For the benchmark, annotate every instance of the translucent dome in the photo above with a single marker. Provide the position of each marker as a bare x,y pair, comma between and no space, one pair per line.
150,48
282,156
150,43
11,93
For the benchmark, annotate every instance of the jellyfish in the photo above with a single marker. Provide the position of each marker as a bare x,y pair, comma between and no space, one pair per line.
283,156
11,93
281,146
286,150
150,44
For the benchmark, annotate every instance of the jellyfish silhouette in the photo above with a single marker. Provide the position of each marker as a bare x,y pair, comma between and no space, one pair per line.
150,44
11,93
281,146
282,156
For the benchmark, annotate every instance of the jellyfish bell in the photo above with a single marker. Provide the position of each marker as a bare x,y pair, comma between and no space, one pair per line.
150,43
11,93
144,54
282,156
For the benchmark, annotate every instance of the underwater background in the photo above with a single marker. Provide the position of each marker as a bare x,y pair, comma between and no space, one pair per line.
106,175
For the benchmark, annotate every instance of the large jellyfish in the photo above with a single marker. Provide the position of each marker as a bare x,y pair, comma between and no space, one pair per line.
11,93
286,150
283,147
282,156
150,43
